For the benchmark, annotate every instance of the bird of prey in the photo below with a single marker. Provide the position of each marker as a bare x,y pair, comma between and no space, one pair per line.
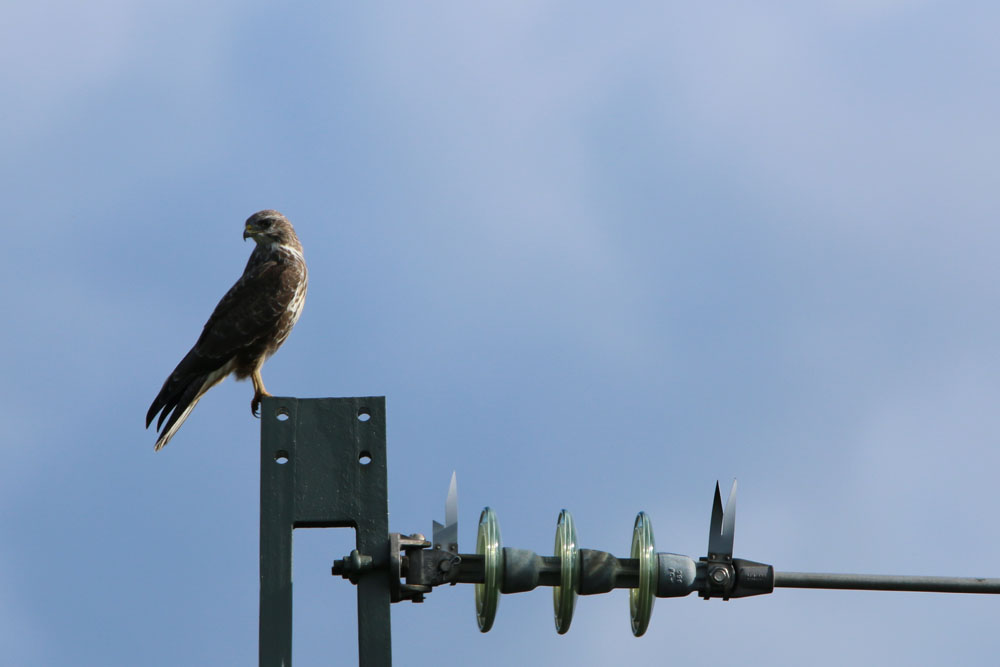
251,321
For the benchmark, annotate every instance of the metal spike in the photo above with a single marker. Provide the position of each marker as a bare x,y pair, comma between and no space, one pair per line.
446,536
723,525
729,518
451,504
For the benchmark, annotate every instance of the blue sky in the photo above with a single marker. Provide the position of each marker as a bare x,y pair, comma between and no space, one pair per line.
594,257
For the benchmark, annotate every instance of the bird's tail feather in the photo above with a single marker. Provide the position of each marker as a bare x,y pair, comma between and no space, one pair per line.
179,404
177,417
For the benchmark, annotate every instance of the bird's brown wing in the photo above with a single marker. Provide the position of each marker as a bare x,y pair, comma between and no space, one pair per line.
240,322
246,316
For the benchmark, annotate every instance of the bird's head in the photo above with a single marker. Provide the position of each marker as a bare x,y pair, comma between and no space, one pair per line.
268,227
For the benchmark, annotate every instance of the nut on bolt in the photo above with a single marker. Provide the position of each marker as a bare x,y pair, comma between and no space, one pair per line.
353,566
720,575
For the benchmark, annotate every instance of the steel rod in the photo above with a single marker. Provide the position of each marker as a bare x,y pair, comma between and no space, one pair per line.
886,582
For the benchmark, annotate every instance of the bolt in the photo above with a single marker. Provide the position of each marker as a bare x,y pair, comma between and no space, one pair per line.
352,566
720,575
360,562
445,566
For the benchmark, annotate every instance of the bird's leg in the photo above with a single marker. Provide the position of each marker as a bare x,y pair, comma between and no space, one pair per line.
258,392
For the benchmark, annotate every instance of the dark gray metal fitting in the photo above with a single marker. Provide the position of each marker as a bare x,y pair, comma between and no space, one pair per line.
353,566
676,576
524,570
601,572
752,578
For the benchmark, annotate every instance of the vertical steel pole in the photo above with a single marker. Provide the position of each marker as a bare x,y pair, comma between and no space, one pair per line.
323,465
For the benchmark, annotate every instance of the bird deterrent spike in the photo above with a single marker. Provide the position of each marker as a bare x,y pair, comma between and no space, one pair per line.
723,525
446,536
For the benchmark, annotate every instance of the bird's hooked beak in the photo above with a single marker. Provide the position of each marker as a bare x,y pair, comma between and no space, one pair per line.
248,232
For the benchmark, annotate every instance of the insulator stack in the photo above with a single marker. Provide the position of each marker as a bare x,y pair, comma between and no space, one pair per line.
573,571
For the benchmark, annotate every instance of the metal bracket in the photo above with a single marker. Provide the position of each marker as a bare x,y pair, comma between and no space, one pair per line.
323,465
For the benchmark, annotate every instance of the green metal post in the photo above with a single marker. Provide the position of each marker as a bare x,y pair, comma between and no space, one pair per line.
323,465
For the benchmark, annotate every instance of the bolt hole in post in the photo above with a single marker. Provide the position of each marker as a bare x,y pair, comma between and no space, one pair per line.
365,457
281,414
281,457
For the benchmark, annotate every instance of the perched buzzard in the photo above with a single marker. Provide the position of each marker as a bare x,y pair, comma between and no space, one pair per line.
251,321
